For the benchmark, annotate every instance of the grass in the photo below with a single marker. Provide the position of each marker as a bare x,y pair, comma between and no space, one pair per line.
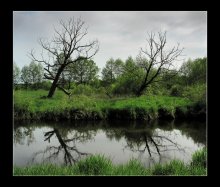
28,105
99,165
199,158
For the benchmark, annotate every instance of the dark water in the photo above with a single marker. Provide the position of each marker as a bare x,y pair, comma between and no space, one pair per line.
67,143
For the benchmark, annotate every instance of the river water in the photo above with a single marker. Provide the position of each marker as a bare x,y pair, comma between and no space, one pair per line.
66,143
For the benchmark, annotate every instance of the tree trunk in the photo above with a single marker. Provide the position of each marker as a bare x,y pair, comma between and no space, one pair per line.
54,84
141,89
69,86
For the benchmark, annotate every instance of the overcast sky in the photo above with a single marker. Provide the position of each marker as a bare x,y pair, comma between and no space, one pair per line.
120,33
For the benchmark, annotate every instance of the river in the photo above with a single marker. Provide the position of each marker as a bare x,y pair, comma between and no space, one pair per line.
65,143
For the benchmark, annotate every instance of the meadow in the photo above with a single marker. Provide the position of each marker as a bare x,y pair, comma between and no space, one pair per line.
31,105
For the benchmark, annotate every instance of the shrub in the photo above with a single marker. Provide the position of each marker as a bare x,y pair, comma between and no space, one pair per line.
83,89
196,93
176,90
45,85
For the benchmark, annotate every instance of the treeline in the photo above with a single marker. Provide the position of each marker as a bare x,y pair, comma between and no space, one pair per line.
126,78
119,78
34,76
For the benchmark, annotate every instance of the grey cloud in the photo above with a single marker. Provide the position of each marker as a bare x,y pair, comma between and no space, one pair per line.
120,33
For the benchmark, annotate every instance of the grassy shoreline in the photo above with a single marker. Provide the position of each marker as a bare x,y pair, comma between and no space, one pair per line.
100,165
28,105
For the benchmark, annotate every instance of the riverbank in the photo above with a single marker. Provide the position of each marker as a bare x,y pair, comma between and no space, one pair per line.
100,165
29,105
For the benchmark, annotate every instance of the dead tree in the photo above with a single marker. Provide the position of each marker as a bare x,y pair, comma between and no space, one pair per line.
65,48
157,60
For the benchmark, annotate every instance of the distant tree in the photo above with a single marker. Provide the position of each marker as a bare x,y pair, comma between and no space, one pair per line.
26,76
92,72
83,72
16,74
36,72
66,47
129,80
112,70
194,71
32,74
156,60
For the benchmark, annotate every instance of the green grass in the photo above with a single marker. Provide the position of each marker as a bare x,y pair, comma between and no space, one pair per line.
28,105
199,158
99,165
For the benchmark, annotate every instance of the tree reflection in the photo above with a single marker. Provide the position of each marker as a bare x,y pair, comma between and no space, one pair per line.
196,130
63,141
151,142
66,147
23,133
157,137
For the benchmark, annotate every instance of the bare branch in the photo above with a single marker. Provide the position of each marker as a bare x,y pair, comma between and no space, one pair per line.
66,47
158,59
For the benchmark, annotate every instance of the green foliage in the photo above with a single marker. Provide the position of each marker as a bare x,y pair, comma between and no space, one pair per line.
194,71
83,90
16,74
81,106
175,167
111,70
94,165
199,158
126,85
45,85
125,78
133,167
83,71
95,83
25,75
156,89
36,72
32,75
176,90
129,80
99,165
195,92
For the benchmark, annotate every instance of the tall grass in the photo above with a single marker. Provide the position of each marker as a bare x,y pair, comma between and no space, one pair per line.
199,158
100,165
30,105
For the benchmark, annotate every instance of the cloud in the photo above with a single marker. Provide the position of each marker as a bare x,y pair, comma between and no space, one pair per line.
120,33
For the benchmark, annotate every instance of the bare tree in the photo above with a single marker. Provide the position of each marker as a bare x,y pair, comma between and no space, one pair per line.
65,48
156,60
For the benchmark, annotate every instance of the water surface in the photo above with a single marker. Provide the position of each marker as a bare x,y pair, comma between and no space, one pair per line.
67,143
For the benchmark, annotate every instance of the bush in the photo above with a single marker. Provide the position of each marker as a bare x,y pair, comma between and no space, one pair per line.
156,89
196,93
84,90
176,90
127,84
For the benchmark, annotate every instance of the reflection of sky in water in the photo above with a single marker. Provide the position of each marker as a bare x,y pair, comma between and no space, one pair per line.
115,148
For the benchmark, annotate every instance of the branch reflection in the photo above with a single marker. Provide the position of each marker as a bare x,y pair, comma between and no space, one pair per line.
152,142
66,147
